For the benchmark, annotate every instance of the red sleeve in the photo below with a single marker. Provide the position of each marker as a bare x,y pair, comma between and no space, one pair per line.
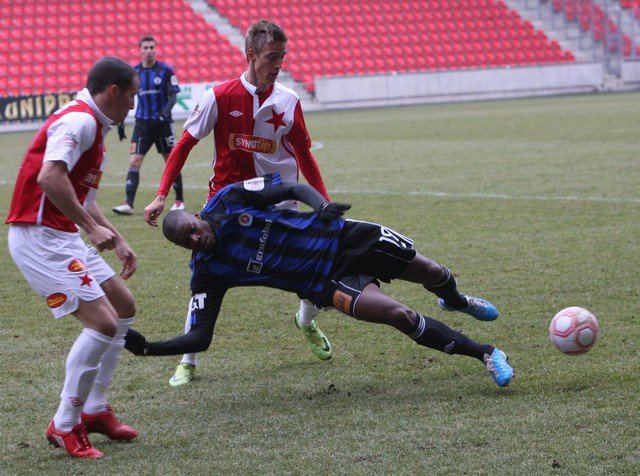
301,142
311,171
176,161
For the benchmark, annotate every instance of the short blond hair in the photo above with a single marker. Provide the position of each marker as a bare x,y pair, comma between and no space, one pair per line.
261,33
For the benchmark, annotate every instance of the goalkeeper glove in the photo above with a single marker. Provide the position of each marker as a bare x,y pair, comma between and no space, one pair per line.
330,210
121,134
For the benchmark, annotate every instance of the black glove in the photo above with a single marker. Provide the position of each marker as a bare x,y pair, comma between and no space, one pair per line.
330,210
136,343
121,134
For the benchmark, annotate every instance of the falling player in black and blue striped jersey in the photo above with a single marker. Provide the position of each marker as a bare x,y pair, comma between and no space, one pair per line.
241,239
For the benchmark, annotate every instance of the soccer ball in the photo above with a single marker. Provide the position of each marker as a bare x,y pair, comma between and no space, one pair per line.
574,330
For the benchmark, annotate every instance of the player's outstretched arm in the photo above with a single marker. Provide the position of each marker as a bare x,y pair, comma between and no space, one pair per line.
197,339
295,191
330,210
325,210
172,168
310,196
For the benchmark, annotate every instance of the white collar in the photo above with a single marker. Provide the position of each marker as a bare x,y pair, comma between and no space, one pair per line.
247,85
85,96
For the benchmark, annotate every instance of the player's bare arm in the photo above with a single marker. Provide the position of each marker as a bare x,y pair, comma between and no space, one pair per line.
55,183
154,210
172,168
123,251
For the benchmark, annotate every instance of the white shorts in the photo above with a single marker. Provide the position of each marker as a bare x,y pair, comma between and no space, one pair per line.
59,266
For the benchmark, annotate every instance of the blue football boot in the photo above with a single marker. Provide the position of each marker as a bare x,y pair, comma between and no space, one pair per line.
478,308
498,367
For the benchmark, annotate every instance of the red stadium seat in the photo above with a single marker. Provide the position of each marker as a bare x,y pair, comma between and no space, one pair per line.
413,35
112,31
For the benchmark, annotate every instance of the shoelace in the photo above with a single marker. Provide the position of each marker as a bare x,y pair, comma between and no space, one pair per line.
491,369
497,367
83,438
306,329
475,302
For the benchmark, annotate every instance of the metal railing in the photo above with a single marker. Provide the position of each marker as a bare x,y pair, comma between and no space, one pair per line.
600,29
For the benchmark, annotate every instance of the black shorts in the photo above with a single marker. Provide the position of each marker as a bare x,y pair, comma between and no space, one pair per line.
346,291
367,252
147,133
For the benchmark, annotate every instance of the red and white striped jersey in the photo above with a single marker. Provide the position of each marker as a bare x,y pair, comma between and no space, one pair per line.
74,134
254,134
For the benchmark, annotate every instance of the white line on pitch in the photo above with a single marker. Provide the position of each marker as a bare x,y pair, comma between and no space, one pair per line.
499,196
425,193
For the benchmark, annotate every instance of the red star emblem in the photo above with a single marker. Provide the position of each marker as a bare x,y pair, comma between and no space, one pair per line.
86,280
276,120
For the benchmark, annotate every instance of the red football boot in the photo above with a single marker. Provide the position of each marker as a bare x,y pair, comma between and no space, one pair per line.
108,424
76,441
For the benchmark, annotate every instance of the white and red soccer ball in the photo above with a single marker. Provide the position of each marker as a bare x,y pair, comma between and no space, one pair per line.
574,330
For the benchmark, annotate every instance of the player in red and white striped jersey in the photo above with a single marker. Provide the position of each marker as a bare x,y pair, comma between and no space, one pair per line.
258,128
54,196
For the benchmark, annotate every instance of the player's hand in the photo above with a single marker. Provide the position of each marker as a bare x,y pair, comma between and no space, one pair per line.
330,210
121,134
102,238
154,210
135,343
128,258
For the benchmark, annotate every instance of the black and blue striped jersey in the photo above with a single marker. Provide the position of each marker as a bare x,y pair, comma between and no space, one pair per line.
156,84
318,255
261,245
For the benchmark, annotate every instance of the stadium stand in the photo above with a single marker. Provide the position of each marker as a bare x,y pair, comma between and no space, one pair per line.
334,37
43,47
592,18
631,5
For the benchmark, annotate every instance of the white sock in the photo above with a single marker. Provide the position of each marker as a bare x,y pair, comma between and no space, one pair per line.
97,399
307,312
80,372
189,358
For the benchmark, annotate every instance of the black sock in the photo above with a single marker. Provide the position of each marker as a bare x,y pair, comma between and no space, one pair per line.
133,179
177,186
436,335
448,291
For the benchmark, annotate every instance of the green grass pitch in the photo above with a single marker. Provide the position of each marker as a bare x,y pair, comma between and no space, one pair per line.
534,204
